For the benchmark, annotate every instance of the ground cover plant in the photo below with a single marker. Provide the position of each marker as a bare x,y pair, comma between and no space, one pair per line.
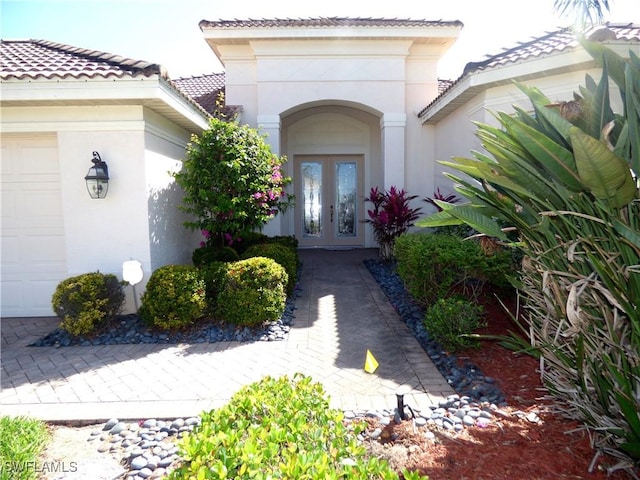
278,428
22,440
564,180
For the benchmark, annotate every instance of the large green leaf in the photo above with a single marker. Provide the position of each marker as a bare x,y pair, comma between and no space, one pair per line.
475,218
544,112
439,219
601,54
556,160
606,175
632,79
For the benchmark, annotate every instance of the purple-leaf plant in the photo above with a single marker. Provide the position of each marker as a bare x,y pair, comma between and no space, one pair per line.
391,216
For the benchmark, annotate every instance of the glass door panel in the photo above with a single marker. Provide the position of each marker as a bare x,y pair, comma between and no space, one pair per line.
329,200
346,201
311,199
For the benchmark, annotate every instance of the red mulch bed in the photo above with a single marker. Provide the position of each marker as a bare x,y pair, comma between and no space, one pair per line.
511,447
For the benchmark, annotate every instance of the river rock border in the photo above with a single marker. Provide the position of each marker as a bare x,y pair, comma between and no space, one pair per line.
148,449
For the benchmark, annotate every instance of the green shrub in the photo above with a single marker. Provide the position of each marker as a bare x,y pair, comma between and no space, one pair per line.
249,239
87,301
451,321
214,275
174,298
435,266
278,428
253,292
282,254
211,253
22,440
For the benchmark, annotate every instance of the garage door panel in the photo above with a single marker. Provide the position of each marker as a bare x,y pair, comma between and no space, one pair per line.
9,206
39,162
32,237
32,251
41,208
10,252
12,295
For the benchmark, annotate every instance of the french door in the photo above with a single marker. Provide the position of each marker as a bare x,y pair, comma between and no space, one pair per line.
329,200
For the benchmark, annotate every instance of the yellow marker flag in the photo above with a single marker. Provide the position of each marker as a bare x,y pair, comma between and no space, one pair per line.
370,363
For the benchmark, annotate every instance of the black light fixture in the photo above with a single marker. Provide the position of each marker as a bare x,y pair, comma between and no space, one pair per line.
97,178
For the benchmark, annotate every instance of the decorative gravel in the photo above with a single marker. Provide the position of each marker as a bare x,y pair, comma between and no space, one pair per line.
465,378
146,449
129,329
149,448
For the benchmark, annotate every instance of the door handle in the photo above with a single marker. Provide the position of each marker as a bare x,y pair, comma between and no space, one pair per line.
331,213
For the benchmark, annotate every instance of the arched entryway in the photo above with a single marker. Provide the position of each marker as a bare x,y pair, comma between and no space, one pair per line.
334,154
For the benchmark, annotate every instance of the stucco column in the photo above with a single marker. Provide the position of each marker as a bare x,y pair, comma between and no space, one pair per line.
270,124
392,126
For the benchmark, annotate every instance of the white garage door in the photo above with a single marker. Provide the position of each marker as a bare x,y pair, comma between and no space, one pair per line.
32,240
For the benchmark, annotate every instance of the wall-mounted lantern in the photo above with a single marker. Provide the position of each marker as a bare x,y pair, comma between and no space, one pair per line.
97,178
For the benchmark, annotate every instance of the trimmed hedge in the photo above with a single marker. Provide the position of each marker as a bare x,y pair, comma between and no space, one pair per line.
175,297
87,301
435,266
283,255
253,292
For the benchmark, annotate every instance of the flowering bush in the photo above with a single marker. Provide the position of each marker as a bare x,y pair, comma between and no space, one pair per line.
391,216
233,183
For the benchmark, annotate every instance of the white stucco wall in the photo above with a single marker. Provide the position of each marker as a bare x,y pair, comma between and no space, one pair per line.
139,147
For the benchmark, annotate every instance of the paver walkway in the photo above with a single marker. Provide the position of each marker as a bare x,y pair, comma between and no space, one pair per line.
341,312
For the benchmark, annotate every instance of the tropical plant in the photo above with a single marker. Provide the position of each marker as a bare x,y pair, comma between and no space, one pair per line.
232,181
392,215
438,195
585,12
565,179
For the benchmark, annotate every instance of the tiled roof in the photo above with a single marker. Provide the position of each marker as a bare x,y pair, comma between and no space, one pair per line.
329,22
26,60
550,43
31,59
204,89
200,85
443,84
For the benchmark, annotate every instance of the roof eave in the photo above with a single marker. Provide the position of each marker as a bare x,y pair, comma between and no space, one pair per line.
152,92
471,84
